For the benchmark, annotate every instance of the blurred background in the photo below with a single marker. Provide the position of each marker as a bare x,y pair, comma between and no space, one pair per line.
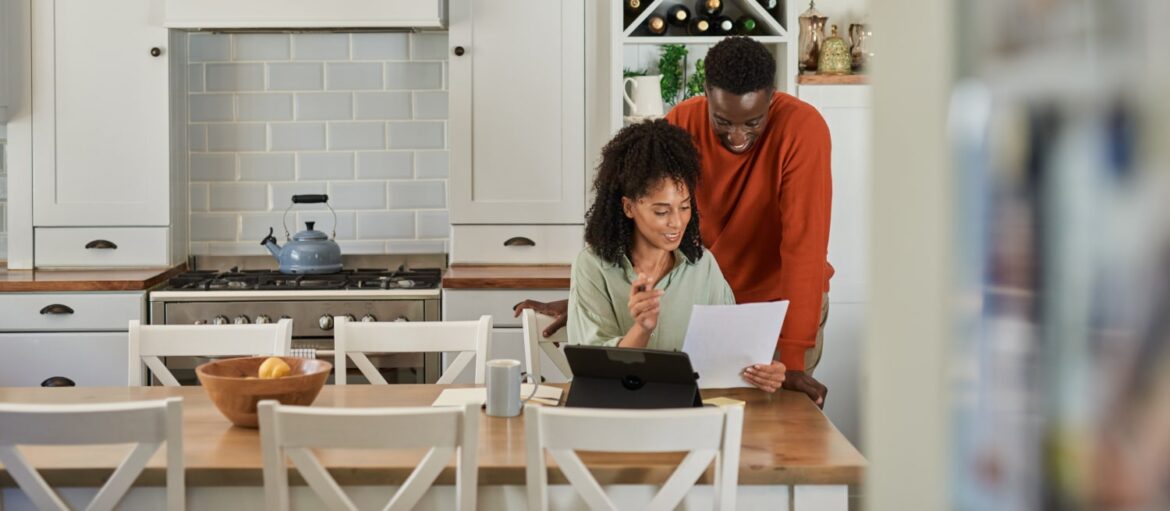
1016,353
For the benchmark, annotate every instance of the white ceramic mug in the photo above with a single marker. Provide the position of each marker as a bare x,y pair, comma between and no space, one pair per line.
503,387
647,95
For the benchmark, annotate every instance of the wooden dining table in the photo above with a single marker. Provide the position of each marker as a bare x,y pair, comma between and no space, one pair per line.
791,455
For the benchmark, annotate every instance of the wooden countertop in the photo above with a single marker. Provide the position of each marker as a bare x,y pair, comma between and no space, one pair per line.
786,440
507,277
85,280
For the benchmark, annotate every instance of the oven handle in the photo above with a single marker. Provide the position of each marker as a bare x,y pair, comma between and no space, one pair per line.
311,353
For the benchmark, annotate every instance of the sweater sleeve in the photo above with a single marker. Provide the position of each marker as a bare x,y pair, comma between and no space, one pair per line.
592,319
805,205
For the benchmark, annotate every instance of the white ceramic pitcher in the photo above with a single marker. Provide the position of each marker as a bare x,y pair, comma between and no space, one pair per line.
647,95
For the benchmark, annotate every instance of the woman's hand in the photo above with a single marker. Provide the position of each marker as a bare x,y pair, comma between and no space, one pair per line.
644,303
766,377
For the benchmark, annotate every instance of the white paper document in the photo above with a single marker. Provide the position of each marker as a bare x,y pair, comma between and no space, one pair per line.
722,340
478,395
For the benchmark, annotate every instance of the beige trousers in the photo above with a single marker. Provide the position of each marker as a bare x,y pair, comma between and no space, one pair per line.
812,357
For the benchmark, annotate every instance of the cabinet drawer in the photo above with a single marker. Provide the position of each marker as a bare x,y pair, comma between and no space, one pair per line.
123,246
516,244
470,304
21,312
90,359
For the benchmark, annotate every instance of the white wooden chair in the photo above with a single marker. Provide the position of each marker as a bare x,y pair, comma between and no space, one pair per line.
354,339
149,342
146,423
294,430
707,434
535,342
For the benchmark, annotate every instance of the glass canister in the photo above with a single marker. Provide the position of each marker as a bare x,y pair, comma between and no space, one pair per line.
859,35
812,34
835,59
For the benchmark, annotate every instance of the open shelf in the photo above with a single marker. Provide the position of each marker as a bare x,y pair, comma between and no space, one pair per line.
767,39
811,79
770,29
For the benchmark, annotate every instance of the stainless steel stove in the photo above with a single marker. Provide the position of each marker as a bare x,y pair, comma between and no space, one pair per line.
216,293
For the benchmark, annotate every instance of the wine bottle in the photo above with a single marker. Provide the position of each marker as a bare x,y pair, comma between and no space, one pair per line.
632,9
699,26
745,25
679,15
722,25
656,24
774,8
709,8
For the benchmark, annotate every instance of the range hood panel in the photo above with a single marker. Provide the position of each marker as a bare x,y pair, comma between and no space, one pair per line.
304,14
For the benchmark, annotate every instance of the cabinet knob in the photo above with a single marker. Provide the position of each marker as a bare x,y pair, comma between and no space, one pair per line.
459,51
519,241
101,244
156,51
57,308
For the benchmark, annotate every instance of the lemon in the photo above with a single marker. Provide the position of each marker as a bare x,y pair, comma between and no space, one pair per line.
274,367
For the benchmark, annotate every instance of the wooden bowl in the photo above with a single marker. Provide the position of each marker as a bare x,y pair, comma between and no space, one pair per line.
235,394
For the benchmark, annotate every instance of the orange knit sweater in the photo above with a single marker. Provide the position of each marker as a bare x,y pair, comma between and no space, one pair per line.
765,214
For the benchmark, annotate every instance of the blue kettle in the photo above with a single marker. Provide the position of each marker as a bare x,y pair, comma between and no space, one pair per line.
308,251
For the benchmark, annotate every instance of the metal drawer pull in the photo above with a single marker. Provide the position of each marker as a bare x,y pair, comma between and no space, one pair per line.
519,241
57,308
103,244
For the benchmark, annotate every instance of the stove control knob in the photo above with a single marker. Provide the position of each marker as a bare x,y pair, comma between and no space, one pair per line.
263,319
350,317
201,322
241,320
401,319
325,322
220,320
369,318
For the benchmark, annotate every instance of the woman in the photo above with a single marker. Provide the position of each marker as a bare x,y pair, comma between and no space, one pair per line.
645,267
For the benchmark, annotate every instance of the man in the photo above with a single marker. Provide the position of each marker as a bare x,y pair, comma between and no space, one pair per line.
764,197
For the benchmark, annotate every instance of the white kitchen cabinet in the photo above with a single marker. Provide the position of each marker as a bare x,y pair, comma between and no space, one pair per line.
271,14
517,103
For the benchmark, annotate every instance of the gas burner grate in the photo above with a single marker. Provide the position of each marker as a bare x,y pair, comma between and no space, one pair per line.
362,278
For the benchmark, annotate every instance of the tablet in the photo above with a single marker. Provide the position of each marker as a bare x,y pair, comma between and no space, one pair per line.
606,377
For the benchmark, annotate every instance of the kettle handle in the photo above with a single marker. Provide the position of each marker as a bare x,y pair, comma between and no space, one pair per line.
308,199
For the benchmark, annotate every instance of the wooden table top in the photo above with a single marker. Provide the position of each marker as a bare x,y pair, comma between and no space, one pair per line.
786,440
507,277
131,279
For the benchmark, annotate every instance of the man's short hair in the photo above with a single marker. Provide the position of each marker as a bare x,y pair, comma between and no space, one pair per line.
740,65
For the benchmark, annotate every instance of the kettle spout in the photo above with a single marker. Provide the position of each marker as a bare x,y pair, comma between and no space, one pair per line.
269,242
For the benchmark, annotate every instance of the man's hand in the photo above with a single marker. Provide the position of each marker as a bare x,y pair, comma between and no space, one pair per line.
559,310
767,378
801,382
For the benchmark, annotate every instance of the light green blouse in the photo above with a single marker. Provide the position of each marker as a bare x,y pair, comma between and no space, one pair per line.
599,292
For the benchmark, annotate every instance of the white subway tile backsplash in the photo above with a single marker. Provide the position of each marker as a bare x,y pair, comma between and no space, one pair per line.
416,247
324,106
234,77
362,247
417,135
209,47
382,105
254,226
418,195
281,194
433,224
264,107
236,137
431,164
385,225
384,165
320,46
324,166
389,46
214,226
428,46
355,195
357,135
267,167
213,167
197,138
236,248
212,107
430,105
198,196
298,136
346,222
261,47
238,197
296,76
414,75
195,78
353,76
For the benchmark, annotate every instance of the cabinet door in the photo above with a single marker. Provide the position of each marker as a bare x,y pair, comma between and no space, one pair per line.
517,127
90,359
100,141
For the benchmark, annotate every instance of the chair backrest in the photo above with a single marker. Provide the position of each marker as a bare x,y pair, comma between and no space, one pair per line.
707,434
535,342
293,430
354,339
146,423
149,342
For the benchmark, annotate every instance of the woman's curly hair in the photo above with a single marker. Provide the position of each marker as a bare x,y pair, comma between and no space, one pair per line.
638,158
